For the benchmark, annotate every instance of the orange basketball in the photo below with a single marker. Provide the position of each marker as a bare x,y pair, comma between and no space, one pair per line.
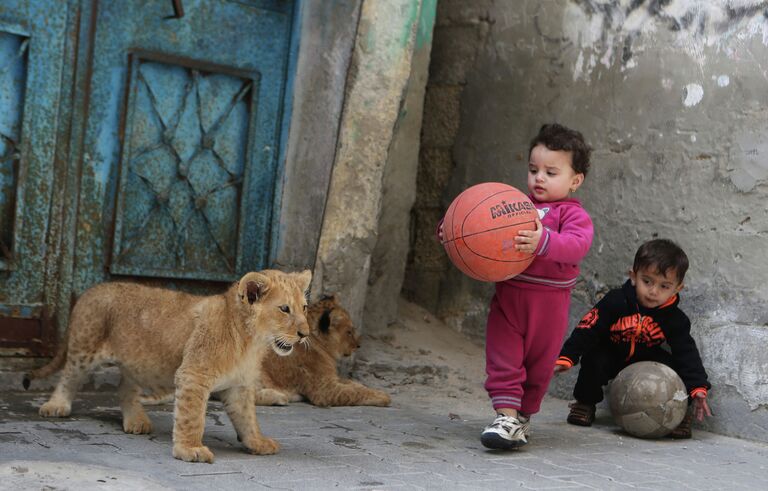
480,227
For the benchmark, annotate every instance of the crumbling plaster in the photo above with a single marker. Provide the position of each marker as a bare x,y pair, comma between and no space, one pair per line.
672,97
364,238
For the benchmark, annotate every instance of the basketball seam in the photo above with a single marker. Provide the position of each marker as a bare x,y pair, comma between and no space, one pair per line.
458,252
500,260
498,228
493,258
491,230
478,275
466,215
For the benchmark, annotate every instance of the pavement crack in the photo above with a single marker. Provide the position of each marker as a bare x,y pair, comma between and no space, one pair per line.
103,444
222,473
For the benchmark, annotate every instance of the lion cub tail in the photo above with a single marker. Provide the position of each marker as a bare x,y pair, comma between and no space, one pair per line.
52,367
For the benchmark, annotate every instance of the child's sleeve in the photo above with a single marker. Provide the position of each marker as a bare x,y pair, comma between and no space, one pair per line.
590,329
572,242
687,357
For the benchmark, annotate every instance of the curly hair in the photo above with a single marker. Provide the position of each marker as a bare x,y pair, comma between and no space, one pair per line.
558,137
661,255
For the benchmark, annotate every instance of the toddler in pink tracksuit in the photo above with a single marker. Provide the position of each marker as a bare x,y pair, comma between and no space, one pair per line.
528,317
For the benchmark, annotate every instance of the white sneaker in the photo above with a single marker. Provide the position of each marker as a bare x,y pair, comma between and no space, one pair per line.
525,422
506,432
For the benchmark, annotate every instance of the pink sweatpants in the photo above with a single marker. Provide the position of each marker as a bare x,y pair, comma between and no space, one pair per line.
524,335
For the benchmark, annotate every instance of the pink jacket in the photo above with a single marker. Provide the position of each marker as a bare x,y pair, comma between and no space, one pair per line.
565,241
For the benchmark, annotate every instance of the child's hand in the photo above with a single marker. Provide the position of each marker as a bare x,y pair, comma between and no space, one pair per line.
700,407
528,240
560,369
439,231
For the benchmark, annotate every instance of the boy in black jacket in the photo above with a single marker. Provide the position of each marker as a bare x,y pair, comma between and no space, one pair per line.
629,325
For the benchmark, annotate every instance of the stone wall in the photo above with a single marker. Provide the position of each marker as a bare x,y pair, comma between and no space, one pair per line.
389,256
672,97
363,241
327,37
460,31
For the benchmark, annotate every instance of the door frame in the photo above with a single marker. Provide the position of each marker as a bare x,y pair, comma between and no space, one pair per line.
43,318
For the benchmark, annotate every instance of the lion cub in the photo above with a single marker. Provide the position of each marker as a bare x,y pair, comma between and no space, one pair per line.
165,340
311,371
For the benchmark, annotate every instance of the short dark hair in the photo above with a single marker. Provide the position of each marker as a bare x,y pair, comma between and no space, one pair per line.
661,255
557,137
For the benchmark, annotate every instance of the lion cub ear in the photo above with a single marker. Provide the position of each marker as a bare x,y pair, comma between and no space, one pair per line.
331,297
324,324
252,287
304,279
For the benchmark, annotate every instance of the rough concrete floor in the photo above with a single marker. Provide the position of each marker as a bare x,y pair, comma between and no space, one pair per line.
428,439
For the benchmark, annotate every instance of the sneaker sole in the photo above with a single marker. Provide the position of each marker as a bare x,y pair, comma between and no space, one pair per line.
495,442
578,422
681,437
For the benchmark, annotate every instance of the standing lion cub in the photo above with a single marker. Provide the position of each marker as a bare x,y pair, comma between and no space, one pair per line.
164,340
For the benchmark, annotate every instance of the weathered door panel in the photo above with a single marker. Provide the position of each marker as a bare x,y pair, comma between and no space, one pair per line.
32,57
182,135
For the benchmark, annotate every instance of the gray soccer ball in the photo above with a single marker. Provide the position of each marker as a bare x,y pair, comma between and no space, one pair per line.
648,399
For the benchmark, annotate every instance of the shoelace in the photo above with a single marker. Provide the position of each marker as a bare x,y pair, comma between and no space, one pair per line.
508,423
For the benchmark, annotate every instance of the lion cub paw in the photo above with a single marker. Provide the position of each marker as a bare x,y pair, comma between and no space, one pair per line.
193,454
262,446
137,426
53,410
381,399
272,397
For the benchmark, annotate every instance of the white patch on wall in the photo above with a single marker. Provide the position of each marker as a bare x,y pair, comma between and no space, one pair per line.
578,69
734,355
616,31
692,95
750,161
632,63
723,80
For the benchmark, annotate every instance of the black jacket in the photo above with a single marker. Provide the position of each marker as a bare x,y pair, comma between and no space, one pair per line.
620,324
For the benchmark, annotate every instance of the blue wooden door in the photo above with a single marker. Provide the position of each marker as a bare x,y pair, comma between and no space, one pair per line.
32,58
179,164
138,139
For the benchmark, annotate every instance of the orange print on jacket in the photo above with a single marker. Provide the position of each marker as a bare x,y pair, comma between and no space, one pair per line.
634,329
589,319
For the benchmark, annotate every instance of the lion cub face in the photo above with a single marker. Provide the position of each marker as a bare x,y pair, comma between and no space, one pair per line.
331,322
279,303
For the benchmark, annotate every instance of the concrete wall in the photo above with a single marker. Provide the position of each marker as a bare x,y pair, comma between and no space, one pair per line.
672,97
327,37
363,241
399,185
460,32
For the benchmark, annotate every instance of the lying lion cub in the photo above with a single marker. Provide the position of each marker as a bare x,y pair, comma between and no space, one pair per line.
164,340
310,372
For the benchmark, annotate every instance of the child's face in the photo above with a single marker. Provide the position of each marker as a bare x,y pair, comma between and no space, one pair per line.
653,288
550,175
